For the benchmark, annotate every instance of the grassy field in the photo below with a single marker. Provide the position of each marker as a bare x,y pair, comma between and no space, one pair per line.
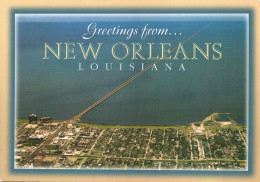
131,126
22,120
51,147
114,126
237,127
184,128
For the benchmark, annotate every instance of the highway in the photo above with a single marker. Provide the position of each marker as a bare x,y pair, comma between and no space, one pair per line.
42,145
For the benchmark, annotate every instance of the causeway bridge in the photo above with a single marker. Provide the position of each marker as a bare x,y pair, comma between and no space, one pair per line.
78,116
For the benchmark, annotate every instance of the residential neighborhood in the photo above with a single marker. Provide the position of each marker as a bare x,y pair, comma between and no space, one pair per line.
198,146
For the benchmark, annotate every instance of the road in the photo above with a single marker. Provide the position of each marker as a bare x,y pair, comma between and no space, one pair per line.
43,144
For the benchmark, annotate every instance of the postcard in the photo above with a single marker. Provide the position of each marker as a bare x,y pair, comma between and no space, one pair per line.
121,93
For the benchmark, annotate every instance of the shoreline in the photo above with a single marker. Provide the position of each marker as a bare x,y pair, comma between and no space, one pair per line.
187,126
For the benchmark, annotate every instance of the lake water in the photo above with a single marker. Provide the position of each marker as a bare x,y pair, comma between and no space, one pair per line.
56,88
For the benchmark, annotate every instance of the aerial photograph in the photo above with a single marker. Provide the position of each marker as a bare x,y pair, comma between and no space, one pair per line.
131,92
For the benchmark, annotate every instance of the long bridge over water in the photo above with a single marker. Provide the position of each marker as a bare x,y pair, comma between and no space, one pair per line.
78,116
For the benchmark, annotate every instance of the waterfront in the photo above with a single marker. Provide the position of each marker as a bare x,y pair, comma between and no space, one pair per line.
208,145
56,88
